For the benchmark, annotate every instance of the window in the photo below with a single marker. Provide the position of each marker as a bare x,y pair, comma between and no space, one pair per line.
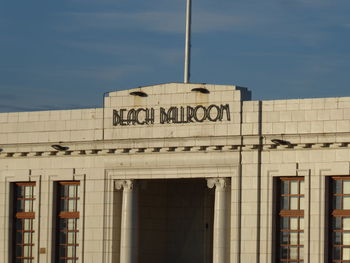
67,222
23,218
290,221
340,220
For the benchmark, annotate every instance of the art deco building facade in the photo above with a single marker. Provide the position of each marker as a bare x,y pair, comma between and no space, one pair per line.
177,173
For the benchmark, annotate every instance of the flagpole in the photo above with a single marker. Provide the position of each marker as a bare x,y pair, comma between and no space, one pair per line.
188,43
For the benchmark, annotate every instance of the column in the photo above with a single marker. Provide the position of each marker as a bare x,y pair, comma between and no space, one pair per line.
221,219
128,239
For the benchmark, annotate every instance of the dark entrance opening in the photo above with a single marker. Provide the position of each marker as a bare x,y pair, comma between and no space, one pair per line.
175,221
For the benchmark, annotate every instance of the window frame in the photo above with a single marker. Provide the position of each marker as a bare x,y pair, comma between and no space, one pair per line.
19,218
281,213
333,213
64,217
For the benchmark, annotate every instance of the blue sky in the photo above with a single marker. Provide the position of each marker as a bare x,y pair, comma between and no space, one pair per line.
66,54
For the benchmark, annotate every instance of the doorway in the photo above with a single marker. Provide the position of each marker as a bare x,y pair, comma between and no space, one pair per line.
175,221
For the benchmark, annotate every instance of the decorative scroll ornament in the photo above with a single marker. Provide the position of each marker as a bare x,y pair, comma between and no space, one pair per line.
219,183
124,184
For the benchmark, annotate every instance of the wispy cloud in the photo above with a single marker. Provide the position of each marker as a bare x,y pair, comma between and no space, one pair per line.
274,21
148,21
4,107
8,96
97,73
31,99
315,2
155,21
211,22
164,54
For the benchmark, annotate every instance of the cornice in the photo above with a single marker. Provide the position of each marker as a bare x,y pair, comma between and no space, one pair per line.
179,145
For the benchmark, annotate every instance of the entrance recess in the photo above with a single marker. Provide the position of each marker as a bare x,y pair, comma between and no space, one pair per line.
175,221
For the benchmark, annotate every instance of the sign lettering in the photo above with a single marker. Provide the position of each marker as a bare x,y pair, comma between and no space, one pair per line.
176,115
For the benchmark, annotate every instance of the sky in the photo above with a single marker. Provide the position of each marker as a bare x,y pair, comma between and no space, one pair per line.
65,54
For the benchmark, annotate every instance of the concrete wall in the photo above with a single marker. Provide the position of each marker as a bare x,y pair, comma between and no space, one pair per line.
51,126
302,116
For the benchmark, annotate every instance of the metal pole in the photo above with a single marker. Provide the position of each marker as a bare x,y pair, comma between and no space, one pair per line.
188,43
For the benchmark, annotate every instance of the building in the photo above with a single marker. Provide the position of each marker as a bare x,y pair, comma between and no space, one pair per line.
177,173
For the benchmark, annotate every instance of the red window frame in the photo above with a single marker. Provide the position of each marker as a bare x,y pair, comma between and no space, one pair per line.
67,221
339,227
23,220
290,219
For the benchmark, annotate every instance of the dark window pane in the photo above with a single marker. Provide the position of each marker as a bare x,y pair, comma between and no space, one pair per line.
337,188
285,187
284,252
285,223
284,237
285,203
62,223
336,253
19,224
63,205
20,206
337,200
18,251
19,237
62,237
20,191
64,190
337,238
337,225
62,251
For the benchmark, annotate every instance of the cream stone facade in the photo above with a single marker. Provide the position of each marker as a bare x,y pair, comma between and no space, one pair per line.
175,173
